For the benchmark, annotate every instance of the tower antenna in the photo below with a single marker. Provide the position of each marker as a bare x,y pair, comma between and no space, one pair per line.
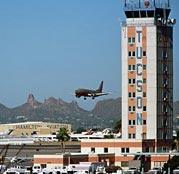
168,3
139,4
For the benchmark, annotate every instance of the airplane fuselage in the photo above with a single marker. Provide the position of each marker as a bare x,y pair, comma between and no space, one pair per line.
90,93
85,92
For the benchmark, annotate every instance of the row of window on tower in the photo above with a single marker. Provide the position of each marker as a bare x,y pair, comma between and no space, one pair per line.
133,122
133,81
133,94
133,136
133,53
133,108
133,67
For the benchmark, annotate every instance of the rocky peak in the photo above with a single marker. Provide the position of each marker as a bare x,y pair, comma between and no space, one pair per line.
51,100
31,101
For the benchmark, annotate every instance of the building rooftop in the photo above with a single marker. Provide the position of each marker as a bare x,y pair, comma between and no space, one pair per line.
147,8
33,122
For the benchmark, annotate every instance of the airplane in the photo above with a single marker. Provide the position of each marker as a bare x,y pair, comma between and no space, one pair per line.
90,93
16,159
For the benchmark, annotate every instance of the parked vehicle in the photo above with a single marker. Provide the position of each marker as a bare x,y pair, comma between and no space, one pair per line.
17,170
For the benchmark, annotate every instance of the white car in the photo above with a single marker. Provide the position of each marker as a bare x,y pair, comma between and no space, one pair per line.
176,171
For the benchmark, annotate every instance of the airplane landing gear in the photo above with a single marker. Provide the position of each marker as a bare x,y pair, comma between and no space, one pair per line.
84,98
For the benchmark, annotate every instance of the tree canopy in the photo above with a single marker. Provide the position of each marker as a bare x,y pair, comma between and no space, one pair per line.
63,135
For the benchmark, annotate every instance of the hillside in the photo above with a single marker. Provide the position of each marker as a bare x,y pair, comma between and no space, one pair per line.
57,110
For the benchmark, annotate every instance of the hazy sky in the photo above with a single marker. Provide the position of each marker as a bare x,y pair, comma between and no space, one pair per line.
51,47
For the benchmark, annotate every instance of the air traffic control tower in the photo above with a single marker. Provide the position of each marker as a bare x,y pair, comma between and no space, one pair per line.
147,74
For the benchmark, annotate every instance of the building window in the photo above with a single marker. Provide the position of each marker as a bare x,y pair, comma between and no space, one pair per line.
165,55
144,122
131,40
93,149
144,53
130,136
144,67
165,83
105,150
164,136
133,94
133,108
147,149
144,94
164,108
122,150
165,122
144,108
133,136
131,81
164,149
165,68
133,53
129,54
133,122
133,67
125,150
144,80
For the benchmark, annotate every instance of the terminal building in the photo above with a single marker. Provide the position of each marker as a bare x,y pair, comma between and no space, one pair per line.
32,128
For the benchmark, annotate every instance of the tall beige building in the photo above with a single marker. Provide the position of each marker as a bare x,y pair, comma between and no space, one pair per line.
147,73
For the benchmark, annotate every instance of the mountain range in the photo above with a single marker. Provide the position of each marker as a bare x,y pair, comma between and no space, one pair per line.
105,113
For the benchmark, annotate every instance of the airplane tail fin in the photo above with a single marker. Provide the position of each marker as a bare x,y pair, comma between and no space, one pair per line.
100,89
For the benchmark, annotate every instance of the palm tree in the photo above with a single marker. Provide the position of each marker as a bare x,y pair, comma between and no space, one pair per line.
63,136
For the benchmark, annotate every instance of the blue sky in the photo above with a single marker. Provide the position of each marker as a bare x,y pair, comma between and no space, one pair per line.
50,48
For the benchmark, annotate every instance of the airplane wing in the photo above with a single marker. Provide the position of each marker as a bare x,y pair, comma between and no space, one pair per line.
101,93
